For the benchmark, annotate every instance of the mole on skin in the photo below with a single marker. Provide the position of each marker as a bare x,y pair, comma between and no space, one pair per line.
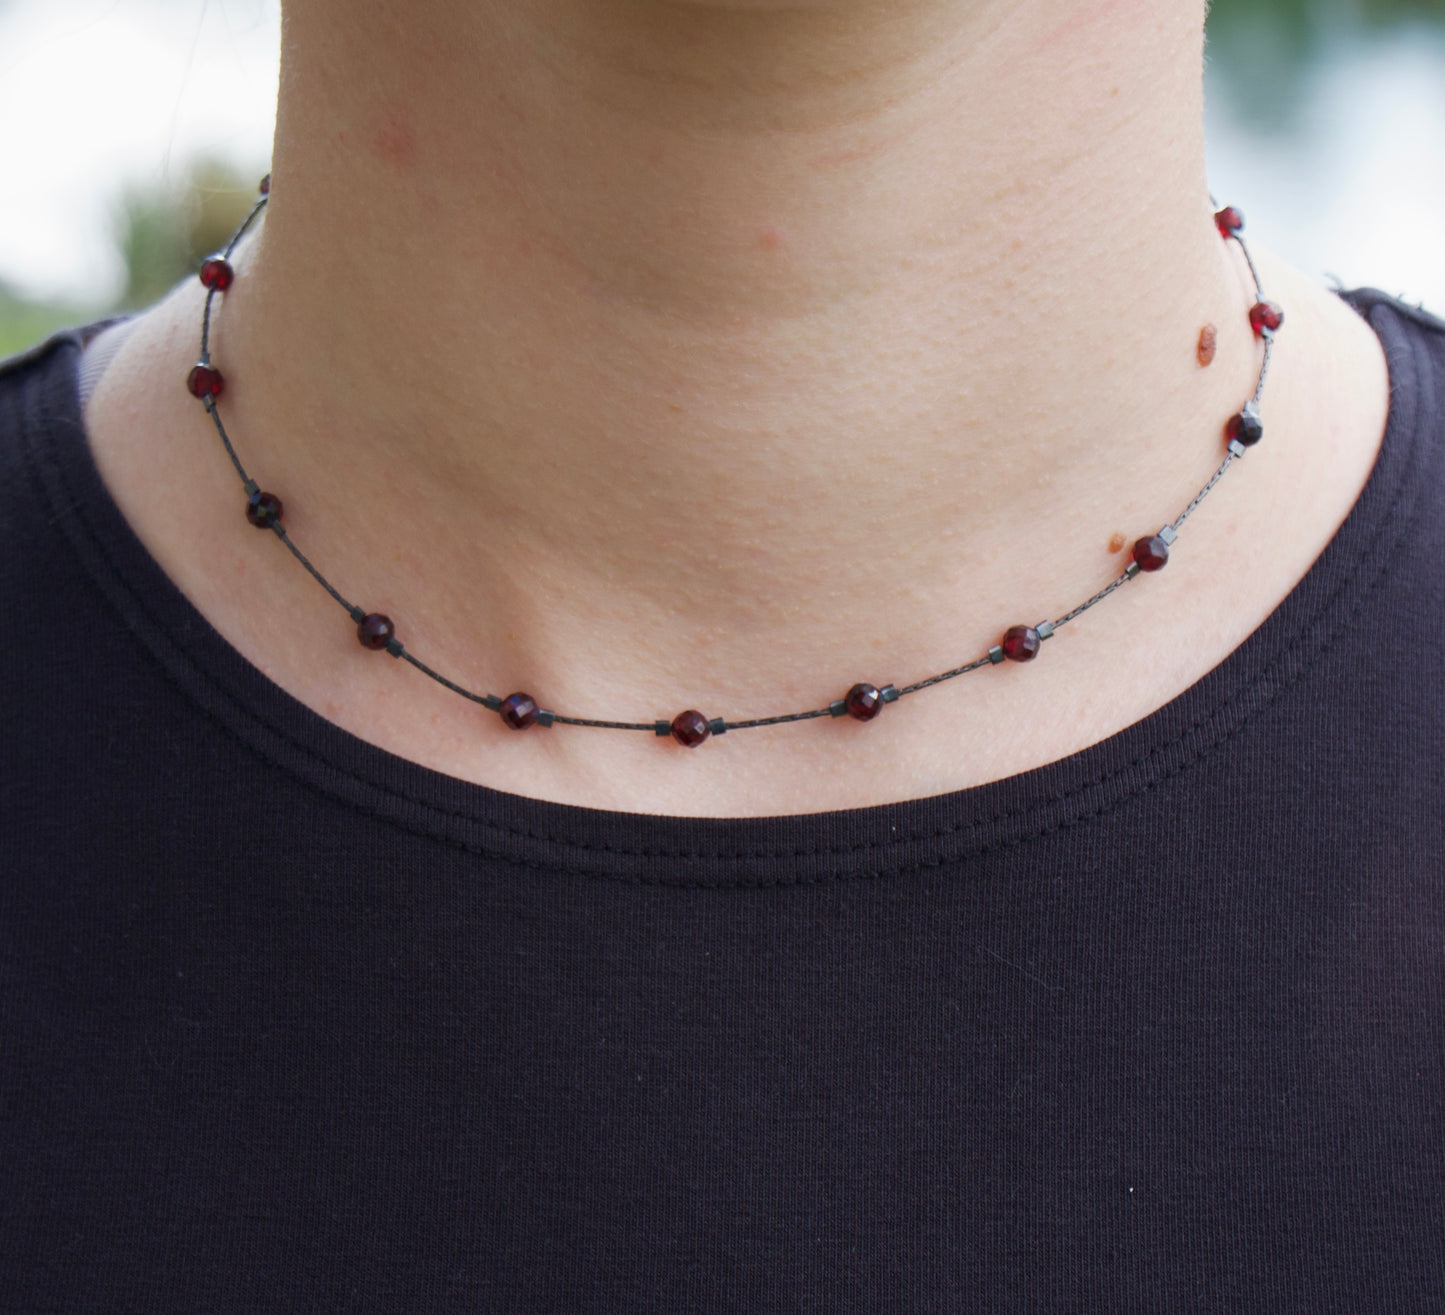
1117,542
1208,340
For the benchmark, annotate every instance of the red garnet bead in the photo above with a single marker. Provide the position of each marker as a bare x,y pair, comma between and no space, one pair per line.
1021,644
217,273
1245,427
863,701
263,510
1265,316
205,381
1152,553
1229,221
265,187
690,728
375,630
519,711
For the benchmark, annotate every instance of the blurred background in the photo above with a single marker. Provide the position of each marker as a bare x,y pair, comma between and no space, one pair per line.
134,132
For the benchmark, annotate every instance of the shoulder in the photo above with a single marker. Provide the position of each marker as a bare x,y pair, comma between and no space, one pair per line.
39,416
1368,301
53,528
1405,328
40,400
52,353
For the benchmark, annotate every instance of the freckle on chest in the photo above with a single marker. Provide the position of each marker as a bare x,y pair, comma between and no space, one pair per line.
770,239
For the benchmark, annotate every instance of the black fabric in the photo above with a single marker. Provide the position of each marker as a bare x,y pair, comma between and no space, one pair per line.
287,1023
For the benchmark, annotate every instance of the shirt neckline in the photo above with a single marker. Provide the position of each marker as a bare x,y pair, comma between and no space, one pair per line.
261,718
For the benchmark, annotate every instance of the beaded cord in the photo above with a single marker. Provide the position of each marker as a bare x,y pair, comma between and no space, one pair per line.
863,701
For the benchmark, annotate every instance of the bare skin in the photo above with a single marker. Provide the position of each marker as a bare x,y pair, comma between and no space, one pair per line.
648,356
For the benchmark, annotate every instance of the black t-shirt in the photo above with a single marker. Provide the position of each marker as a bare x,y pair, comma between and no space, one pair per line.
289,1023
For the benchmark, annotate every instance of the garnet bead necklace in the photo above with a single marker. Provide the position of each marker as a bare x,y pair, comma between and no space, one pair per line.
863,701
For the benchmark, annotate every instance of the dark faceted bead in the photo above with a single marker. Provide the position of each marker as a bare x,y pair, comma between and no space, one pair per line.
519,711
205,381
690,728
1245,427
265,188
1021,644
375,630
1229,221
1152,553
217,273
263,510
1265,315
863,701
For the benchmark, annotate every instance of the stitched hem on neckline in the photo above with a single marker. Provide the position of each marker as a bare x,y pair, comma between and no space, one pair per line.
791,849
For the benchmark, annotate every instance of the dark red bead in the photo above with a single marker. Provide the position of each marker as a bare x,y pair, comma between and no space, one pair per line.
375,630
1245,427
1265,316
519,711
1021,644
1152,553
690,728
217,273
265,188
1229,221
263,510
205,381
863,701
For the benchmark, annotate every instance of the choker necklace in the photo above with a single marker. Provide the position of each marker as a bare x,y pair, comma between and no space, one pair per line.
864,701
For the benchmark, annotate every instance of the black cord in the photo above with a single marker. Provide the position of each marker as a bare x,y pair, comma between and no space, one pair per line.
717,725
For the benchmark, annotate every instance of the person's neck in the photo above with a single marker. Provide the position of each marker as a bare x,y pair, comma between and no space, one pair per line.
648,355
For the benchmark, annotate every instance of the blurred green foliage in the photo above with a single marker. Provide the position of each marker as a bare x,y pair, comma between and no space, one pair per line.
162,233
1260,52
24,322
1307,19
